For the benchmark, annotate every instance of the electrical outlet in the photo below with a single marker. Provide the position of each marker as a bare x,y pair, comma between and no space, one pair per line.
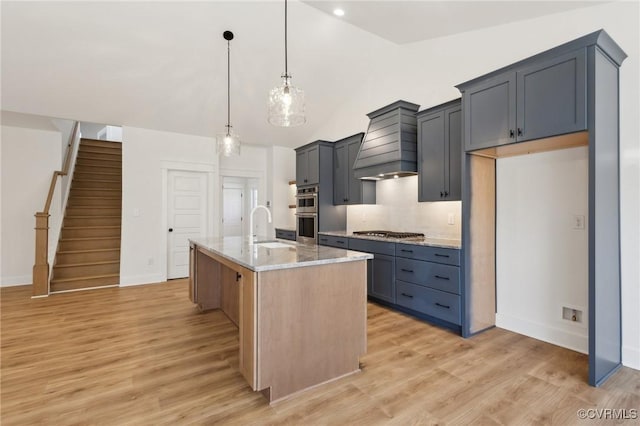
578,221
572,314
150,261
451,219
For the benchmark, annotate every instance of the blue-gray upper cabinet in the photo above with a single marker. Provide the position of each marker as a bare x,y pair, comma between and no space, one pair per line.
347,189
308,165
542,99
440,152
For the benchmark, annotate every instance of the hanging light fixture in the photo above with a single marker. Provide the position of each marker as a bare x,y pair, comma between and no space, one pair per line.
228,142
286,102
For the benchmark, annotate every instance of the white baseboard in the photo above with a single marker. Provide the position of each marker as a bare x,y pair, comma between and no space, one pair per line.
16,280
131,280
544,332
631,357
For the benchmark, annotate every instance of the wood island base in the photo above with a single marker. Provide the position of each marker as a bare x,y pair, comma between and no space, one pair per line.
299,327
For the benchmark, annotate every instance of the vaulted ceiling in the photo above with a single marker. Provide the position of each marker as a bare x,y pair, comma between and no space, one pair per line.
162,65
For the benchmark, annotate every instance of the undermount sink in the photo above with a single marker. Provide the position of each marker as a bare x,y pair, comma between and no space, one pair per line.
272,245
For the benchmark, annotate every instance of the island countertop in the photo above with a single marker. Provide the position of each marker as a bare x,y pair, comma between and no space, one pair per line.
289,254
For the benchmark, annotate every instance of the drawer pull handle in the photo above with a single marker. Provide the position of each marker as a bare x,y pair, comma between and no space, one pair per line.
441,255
340,242
407,270
406,251
443,306
442,278
323,239
407,295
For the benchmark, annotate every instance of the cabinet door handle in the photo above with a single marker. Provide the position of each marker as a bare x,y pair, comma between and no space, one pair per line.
441,255
407,270
446,194
512,134
441,277
406,251
443,306
238,276
407,295
441,194
519,131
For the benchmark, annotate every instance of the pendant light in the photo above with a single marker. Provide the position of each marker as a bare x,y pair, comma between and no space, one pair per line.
286,102
228,142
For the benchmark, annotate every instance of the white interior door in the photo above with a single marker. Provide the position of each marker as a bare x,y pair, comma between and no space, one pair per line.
232,209
187,217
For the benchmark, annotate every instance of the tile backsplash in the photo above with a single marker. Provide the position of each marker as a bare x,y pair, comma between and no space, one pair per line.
397,209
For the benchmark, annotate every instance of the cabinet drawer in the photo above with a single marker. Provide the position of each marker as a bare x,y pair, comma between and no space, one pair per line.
445,306
430,254
333,241
370,246
434,275
285,234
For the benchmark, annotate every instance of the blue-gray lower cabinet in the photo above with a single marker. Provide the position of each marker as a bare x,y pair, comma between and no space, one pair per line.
333,241
285,234
381,272
383,284
438,304
420,280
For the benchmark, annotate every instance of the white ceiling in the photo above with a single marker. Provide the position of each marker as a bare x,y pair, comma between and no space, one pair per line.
162,65
409,21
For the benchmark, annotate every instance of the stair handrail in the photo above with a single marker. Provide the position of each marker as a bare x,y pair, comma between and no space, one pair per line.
41,266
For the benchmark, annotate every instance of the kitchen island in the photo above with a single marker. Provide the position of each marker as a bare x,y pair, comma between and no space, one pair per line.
300,309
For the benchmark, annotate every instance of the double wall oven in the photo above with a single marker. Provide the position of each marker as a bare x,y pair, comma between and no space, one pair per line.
307,215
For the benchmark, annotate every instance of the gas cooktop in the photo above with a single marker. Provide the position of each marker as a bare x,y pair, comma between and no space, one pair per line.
390,234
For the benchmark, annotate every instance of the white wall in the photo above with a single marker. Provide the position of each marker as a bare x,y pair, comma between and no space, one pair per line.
397,209
146,156
29,158
282,169
541,258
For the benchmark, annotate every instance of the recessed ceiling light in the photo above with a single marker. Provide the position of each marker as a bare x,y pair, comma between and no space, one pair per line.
338,12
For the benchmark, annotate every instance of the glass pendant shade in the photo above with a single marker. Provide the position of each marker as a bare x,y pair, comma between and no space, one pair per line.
228,143
286,105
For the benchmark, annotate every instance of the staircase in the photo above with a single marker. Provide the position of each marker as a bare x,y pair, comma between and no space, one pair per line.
89,247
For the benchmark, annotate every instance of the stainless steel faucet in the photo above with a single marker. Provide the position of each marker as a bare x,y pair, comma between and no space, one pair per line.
251,220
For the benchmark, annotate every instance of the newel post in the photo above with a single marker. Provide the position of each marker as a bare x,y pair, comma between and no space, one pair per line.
41,266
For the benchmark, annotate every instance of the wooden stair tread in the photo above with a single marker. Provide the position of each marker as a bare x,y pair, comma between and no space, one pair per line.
90,277
93,227
90,238
92,217
92,197
101,262
88,251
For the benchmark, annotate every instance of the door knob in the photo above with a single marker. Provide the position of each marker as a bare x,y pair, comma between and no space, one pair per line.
170,229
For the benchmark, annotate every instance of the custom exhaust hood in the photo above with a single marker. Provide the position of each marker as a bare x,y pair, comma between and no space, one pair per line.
389,149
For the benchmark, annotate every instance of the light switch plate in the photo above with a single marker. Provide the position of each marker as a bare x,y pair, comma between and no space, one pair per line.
451,219
578,221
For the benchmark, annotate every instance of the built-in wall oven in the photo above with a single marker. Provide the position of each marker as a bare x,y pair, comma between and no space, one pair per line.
307,215
307,200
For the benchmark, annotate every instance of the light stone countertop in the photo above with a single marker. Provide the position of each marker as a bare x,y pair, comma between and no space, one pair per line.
259,258
426,241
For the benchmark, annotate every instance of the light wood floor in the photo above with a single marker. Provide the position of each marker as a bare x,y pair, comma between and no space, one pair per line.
144,355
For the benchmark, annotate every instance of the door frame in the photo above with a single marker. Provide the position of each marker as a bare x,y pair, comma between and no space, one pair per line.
233,185
241,173
210,193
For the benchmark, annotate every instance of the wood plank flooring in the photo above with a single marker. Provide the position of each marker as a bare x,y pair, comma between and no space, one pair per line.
145,356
